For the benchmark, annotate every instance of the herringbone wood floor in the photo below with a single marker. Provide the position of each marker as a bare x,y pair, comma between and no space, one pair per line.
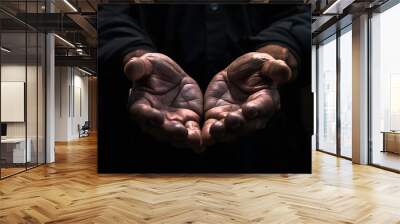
70,191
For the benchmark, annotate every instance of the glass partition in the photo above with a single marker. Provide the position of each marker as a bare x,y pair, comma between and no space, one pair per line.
22,78
14,153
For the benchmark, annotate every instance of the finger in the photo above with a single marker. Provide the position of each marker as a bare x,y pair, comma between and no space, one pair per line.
218,130
194,136
146,114
221,112
214,131
175,130
261,104
247,64
234,121
207,139
136,68
182,115
277,70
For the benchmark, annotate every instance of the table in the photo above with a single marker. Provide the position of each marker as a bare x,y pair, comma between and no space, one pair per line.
13,150
391,141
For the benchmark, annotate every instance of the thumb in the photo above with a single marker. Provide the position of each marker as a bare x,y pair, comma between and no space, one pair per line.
277,70
136,68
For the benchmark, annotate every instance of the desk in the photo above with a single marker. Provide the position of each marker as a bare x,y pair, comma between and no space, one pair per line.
13,150
391,141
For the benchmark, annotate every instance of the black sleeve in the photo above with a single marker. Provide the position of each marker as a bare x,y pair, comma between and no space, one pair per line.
293,32
120,33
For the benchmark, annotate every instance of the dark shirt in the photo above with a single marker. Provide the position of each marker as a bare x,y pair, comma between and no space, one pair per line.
203,39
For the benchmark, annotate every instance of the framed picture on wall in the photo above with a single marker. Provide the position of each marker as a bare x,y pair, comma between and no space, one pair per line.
12,101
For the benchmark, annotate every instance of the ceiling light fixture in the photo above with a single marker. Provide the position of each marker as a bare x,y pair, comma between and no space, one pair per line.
70,5
5,50
65,41
328,10
84,71
337,7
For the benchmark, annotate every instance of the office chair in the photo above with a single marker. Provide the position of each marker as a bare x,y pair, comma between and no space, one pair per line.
84,130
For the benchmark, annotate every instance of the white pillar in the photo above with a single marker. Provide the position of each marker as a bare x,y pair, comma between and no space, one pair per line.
360,90
50,93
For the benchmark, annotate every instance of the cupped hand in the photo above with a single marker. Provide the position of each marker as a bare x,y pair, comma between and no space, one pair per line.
242,98
164,100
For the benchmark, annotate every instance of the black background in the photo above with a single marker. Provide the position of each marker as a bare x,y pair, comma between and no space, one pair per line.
284,146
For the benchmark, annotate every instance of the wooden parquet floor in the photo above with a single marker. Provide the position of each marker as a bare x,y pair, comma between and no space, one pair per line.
71,191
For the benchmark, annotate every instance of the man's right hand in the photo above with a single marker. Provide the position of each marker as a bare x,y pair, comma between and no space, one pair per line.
164,100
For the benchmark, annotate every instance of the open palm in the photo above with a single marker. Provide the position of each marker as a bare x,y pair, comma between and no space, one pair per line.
242,98
164,100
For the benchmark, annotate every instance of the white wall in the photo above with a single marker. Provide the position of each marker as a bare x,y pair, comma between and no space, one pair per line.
61,103
80,102
71,102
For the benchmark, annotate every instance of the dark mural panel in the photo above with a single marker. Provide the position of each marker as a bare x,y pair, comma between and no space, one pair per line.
204,88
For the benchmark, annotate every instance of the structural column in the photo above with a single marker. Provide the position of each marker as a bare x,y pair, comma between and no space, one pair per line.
50,92
360,89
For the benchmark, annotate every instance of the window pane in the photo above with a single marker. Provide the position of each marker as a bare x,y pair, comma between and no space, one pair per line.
385,89
327,96
346,94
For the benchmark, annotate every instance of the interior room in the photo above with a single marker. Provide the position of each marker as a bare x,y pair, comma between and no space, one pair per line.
49,127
